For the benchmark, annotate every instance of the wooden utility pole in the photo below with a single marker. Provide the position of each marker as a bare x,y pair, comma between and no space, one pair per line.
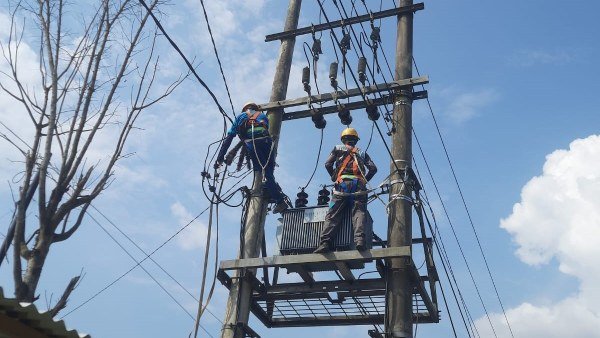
238,304
398,321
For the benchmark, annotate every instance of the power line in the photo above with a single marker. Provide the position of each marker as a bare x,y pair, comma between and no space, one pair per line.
442,253
147,256
335,2
206,253
385,143
141,266
466,209
345,60
359,44
187,62
455,236
217,55
144,252
133,267
317,161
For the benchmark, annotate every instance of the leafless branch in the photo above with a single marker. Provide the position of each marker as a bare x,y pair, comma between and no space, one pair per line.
62,302
83,83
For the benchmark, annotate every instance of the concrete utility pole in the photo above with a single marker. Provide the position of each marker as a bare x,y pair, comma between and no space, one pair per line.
398,321
238,304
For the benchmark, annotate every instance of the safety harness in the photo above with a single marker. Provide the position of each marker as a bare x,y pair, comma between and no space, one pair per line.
355,169
253,124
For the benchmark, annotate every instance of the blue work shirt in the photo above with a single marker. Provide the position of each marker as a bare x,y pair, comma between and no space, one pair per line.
238,124
240,121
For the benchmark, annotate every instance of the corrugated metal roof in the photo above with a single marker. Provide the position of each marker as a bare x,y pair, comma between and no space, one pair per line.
41,321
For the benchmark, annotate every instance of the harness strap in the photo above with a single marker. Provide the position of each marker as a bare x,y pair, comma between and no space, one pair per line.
253,117
355,169
343,166
250,123
256,138
253,120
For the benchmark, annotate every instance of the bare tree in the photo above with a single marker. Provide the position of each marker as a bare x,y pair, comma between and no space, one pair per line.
82,91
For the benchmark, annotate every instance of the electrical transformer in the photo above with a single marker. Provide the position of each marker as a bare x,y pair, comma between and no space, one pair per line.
300,230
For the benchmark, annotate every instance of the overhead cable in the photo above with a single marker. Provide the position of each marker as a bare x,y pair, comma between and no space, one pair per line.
145,258
141,266
466,209
217,55
444,258
146,254
357,84
458,242
187,62
316,163
206,252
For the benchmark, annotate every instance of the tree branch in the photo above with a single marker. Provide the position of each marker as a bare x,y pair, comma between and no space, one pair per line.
62,302
67,234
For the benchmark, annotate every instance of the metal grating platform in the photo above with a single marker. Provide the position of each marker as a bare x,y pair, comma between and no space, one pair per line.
348,301
299,312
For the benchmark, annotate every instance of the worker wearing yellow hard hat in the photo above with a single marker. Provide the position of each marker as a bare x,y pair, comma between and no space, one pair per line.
353,169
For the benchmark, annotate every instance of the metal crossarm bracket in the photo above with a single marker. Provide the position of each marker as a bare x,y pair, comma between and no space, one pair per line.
384,87
299,114
345,22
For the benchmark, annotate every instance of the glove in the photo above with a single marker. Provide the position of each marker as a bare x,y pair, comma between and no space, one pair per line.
217,164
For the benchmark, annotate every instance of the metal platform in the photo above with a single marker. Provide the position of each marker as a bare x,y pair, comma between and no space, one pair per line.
348,301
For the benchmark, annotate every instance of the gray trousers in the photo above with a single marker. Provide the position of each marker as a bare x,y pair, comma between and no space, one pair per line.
333,219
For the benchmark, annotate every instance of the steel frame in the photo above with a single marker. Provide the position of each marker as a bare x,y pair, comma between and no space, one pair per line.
349,301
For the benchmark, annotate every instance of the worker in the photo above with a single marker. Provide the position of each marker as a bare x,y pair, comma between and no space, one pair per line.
349,189
252,127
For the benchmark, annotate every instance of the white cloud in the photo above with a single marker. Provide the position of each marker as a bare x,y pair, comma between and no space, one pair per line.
527,58
558,218
568,318
194,236
465,105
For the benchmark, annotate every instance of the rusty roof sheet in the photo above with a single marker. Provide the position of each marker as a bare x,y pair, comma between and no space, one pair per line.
41,321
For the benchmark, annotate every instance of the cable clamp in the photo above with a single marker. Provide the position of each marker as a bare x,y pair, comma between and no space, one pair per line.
401,197
397,181
358,193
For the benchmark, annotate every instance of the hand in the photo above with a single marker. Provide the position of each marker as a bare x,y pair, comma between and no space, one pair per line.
217,164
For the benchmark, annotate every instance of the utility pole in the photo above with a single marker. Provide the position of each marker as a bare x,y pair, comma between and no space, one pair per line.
398,321
238,304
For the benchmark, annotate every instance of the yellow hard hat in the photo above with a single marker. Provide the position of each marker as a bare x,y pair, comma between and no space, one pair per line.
350,132
249,104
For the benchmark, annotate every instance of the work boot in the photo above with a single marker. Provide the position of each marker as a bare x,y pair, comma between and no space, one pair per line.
360,246
323,248
281,206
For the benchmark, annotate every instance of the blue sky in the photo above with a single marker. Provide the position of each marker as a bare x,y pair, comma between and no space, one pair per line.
514,88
